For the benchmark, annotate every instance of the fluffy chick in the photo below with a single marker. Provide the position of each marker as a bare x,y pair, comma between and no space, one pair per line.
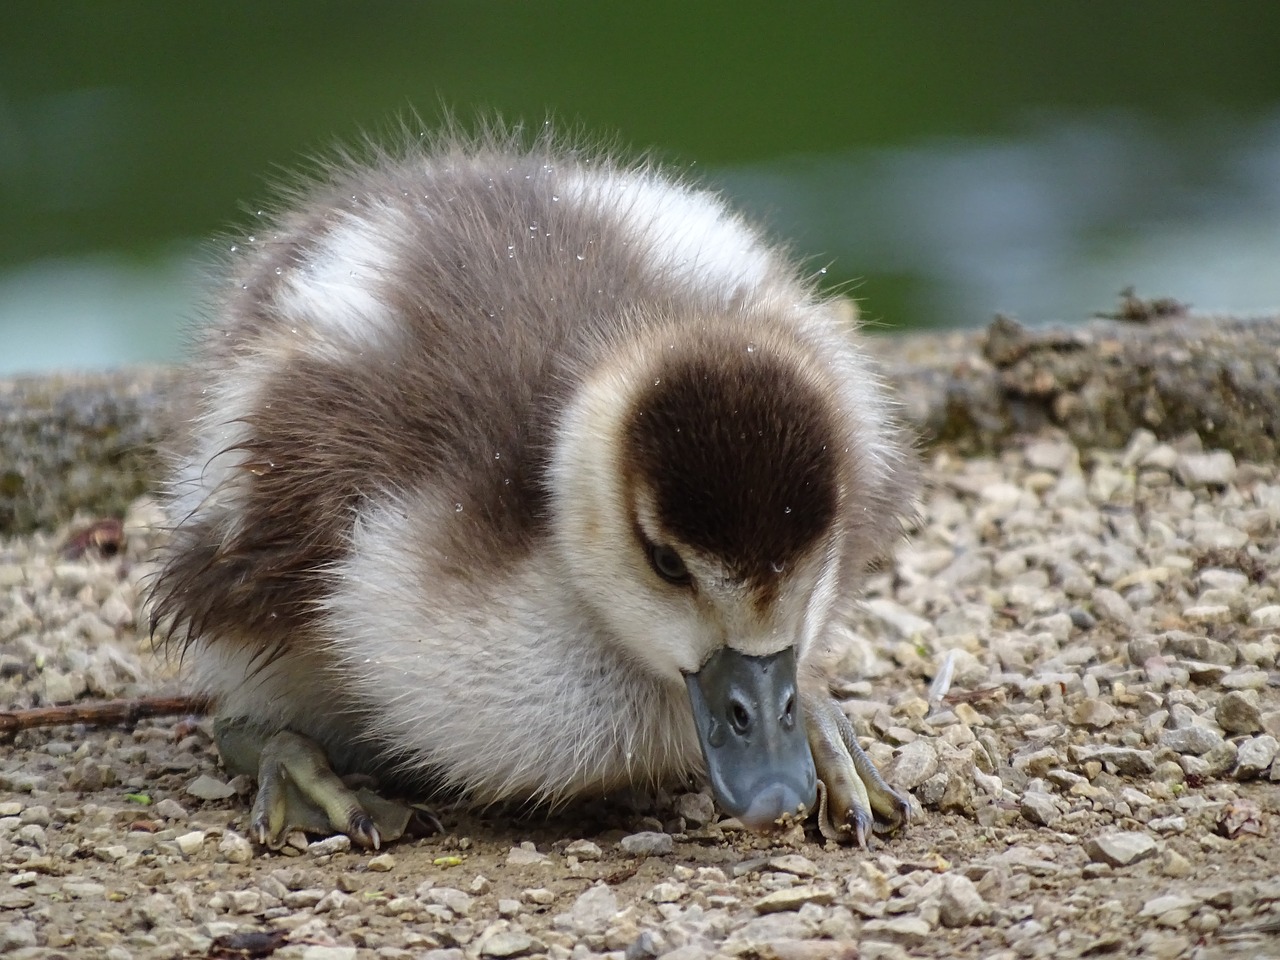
523,471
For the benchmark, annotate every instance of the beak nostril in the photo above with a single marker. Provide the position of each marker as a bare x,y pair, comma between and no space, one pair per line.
747,712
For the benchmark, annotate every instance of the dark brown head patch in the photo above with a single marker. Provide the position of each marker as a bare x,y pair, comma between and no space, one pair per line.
740,453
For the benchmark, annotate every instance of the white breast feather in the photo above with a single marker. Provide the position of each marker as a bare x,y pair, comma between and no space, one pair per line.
464,677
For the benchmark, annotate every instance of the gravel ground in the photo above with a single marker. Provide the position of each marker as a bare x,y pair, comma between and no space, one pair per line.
1073,667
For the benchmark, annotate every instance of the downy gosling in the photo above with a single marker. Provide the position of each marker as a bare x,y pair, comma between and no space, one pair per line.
525,473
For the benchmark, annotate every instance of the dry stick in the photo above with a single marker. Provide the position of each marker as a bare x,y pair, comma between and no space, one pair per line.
100,714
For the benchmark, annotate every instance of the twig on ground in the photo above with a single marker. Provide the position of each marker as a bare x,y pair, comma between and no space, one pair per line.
100,714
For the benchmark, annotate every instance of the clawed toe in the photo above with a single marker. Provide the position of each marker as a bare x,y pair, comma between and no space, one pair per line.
851,791
362,831
299,791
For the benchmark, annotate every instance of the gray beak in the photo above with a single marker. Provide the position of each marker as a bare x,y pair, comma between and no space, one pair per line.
747,713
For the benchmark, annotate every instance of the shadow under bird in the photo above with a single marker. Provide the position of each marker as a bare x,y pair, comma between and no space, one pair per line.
527,473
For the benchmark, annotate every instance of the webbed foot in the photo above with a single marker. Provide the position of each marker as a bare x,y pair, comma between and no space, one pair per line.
298,790
851,792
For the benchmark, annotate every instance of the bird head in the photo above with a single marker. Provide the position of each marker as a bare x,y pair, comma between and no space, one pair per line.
700,480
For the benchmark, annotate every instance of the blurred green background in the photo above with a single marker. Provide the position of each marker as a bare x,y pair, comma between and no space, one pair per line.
945,159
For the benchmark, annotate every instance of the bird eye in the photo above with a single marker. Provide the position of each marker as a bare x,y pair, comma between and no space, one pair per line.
667,564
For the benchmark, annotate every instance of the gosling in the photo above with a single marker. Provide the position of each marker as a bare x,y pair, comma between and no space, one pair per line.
522,472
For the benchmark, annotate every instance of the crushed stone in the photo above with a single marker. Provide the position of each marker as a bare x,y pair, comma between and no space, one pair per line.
1074,665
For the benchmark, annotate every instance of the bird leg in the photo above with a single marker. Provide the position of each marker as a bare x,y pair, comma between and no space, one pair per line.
851,790
298,789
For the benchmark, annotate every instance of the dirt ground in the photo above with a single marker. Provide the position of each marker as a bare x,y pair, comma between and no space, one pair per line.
1098,778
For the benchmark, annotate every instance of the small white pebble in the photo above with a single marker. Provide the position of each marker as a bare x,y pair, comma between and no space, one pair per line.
584,850
190,843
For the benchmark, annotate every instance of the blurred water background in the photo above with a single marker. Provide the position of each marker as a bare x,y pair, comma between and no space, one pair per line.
943,160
